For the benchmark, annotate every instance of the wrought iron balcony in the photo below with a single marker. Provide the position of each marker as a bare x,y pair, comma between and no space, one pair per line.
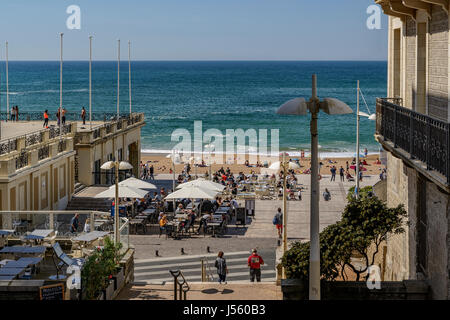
22,160
8,146
423,137
62,146
44,152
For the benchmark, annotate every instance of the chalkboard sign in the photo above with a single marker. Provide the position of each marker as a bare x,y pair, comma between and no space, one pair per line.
52,292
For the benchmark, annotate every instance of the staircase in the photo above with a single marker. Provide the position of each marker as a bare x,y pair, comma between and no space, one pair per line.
78,187
156,271
89,203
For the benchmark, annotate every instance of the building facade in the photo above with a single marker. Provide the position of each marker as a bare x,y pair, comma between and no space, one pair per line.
104,142
413,126
36,168
40,167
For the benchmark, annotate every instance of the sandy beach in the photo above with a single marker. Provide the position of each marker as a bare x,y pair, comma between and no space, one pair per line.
162,164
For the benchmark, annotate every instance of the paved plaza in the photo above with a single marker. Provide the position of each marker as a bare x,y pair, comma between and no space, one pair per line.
152,278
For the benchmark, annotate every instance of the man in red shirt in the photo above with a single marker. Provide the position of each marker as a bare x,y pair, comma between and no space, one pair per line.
254,262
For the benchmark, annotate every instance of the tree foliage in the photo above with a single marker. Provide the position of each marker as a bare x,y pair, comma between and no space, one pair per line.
365,223
100,267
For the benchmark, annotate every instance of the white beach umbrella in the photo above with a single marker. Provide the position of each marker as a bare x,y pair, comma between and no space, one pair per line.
136,183
277,166
192,192
204,184
124,192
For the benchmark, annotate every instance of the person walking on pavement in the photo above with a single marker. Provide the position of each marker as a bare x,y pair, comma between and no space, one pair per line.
152,171
341,173
221,266
83,115
45,125
254,262
278,222
333,173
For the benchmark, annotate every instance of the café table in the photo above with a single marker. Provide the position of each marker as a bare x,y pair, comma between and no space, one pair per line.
15,272
134,223
87,239
214,226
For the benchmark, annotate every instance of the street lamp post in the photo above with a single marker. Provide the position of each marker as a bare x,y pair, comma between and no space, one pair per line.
285,167
116,165
210,147
175,157
299,106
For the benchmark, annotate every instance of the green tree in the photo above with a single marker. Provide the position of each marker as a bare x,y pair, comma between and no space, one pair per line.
365,222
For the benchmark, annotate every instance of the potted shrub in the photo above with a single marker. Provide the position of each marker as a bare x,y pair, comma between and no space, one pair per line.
100,269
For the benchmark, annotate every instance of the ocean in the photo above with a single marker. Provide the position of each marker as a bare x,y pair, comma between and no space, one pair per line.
221,94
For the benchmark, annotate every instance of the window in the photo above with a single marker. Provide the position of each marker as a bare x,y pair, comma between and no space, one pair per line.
421,67
120,154
97,172
397,63
421,225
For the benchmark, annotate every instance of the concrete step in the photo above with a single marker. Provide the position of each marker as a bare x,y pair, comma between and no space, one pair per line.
156,270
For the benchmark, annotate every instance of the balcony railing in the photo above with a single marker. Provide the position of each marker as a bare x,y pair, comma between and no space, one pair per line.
62,146
34,138
423,137
8,146
44,152
22,160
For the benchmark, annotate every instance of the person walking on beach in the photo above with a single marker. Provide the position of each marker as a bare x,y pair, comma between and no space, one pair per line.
365,153
83,115
278,222
341,174
17,113
333,173
221,266
45,125
254,262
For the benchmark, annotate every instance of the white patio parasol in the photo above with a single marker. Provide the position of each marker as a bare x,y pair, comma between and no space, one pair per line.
192,192
204,184
136,183
124,192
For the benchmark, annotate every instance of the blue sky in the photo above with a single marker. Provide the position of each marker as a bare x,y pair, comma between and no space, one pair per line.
194,30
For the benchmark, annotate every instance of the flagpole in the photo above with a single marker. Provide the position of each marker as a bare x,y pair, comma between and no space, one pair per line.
7,83
90,82
118,77
60,84
129,71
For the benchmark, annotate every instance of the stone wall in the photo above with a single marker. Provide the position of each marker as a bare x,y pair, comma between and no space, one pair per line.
437,242
438,64
294,289
399,261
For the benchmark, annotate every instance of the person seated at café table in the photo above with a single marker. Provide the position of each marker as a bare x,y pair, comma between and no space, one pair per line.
87,226
180,209
162,220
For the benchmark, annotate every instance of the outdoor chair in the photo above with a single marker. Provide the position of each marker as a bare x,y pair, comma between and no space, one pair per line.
64,260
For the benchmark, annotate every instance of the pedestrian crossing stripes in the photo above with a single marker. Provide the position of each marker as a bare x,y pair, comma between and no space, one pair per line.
156,271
